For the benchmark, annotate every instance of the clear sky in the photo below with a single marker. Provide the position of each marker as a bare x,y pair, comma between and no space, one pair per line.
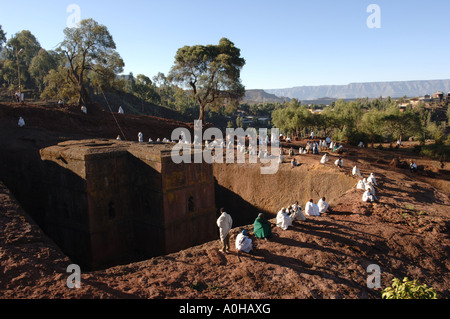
285,43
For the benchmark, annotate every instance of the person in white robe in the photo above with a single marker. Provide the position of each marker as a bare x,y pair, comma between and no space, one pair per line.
121,110
370,188
84,109
356,172
372,179
21,122
325,159
361,184
339,162
224,222
311,209
243,243
297,213
323,205
140,137
368,197
283,219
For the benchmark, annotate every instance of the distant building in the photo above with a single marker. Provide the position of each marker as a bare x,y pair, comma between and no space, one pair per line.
426,98
403,106
439,95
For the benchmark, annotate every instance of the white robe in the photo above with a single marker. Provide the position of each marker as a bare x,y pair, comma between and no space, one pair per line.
339,163
121,110
370,188
21,122
283,220
311,209
361,184
368,197
243,243
297,213
324,159
356,171
224,222
140,138
323,206
372,179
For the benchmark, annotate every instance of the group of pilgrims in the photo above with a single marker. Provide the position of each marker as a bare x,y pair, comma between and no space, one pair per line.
262,227
367,185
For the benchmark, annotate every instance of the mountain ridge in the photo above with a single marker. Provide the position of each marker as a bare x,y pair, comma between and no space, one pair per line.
393,89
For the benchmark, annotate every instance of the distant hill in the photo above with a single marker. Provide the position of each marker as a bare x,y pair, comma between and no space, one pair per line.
260,96
362,90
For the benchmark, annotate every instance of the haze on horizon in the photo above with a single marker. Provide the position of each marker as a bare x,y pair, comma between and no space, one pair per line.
287,43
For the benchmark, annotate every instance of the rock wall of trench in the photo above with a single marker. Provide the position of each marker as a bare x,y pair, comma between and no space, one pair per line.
244,192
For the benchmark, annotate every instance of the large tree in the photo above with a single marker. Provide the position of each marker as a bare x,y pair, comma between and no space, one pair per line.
2,38
20,49
91,52
41,65
211,73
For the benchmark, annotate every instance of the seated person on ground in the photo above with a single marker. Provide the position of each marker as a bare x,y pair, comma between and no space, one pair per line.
262,227
283,219
311,209
323,205
297,213
243,243
369,197
372,179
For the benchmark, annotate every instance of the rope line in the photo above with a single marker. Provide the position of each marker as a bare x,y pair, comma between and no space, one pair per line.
115,119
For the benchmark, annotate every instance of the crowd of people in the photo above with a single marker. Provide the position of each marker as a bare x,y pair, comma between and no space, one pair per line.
262,227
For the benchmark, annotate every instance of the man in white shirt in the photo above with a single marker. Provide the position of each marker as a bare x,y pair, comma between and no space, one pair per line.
311,209
297,213
283,219
243,243
323,205
224,222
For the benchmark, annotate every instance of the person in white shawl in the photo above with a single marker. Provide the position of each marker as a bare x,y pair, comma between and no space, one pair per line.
224,222
140,137
372,179
21,122
323,205
311,209
362,184
339,162
283,219
370,188
297,213
356,171
243,243
369,197
325,159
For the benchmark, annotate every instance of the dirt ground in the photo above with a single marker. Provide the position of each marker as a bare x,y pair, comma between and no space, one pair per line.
406,233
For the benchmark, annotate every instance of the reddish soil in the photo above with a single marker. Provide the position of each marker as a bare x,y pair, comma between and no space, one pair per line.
406,233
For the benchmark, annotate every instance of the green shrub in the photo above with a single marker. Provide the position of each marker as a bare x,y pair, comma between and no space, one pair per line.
436,152
408,289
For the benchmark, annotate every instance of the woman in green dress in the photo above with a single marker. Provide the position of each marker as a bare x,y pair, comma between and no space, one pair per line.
262,227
